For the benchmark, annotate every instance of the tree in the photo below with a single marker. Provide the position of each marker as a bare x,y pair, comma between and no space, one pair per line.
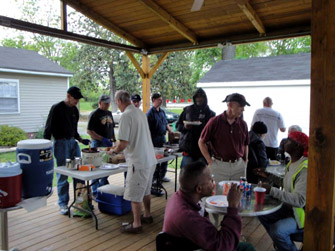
172,79
290,46
101,68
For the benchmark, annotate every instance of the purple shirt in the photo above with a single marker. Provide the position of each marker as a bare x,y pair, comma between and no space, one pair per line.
182,219
226,141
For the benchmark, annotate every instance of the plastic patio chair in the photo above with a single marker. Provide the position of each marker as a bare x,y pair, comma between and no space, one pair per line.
167,242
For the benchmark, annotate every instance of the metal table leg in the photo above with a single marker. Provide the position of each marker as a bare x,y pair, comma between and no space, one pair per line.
89,200
4,230
175,174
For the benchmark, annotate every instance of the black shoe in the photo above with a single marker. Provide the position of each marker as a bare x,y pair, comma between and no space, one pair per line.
157,193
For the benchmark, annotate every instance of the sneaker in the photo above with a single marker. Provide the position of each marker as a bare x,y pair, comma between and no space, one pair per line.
64,210
165,179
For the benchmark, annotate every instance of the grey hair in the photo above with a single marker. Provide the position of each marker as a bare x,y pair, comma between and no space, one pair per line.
123,96
294,128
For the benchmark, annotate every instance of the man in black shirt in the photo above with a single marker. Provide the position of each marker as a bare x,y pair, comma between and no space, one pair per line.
101,129
62,124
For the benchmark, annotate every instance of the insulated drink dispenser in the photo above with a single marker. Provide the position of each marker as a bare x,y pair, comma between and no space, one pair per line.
10,184
36,161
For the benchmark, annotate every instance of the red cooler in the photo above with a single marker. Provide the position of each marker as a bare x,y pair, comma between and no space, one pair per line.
10,184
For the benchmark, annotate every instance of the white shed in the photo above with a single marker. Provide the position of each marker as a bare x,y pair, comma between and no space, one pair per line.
29,85
286,79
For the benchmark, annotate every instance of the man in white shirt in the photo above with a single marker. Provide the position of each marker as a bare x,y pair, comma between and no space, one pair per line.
274,122
135,139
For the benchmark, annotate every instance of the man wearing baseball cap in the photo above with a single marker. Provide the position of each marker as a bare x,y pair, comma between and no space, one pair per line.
62,124
227,137
101,129
136,100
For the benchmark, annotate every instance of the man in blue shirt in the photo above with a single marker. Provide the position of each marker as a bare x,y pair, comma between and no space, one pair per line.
158,126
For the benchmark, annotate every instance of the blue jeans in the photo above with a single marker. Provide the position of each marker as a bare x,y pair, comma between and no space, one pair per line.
280,225
98,182
188,160
161,168
64,149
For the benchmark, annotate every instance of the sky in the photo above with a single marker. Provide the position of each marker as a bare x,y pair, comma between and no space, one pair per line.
9,9
13,9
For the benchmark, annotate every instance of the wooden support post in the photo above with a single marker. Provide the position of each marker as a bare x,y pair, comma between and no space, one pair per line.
146,83
321,168
63,15
146,75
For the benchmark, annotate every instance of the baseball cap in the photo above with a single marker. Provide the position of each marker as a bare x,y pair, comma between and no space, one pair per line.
104,98
75,92
236,97
136,97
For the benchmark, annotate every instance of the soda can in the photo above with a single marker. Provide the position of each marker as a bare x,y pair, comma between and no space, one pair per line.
242,185
247,190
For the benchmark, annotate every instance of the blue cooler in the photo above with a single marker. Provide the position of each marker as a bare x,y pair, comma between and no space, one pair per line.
36,161
110,200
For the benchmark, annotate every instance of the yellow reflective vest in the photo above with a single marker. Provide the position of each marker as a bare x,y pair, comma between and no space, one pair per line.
299,213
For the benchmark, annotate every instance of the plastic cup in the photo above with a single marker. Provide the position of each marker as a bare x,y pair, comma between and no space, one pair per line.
225,186
259,195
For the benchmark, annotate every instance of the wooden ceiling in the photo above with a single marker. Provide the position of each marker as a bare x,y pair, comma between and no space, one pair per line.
169,25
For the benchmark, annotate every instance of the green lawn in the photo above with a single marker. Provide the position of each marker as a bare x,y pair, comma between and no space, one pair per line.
176,110
86,106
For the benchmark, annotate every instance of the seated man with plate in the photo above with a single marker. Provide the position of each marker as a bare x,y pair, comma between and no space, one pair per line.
290,219
186,219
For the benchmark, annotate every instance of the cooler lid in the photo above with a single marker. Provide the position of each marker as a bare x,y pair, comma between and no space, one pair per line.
111,189
34,144
10,169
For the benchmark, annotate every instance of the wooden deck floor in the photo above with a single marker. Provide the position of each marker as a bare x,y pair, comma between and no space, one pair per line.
45,229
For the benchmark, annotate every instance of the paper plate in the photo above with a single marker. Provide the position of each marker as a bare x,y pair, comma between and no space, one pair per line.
274,163
219,201
109,167
192,122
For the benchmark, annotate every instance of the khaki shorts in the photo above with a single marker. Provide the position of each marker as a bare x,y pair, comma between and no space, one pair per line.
138,183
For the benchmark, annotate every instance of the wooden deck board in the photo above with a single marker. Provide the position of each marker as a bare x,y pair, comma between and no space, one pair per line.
46,229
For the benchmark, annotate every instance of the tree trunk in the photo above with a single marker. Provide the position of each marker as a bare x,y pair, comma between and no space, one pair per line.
112,86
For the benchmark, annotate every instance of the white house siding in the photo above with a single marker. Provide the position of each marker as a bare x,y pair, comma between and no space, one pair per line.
291,98
37,95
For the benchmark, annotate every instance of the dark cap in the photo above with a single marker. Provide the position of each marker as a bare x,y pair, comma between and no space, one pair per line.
75,92
236,97
104,98
136,97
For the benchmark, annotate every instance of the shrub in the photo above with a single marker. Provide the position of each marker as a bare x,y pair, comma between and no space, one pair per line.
10,135
95,105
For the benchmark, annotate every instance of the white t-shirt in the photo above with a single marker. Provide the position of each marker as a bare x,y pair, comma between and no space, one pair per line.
273,121
134,128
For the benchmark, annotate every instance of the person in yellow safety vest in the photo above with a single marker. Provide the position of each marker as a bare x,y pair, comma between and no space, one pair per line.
290,218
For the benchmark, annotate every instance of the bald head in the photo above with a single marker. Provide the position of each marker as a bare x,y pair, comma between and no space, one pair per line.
267,102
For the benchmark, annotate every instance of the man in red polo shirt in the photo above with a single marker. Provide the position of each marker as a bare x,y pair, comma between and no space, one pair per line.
226,137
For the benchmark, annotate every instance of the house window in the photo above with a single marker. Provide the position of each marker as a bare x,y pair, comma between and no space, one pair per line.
9,96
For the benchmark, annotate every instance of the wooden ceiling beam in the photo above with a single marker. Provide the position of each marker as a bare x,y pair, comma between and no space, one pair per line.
251,15
288,32
170,20
158,63
136,64
36,28
104,22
